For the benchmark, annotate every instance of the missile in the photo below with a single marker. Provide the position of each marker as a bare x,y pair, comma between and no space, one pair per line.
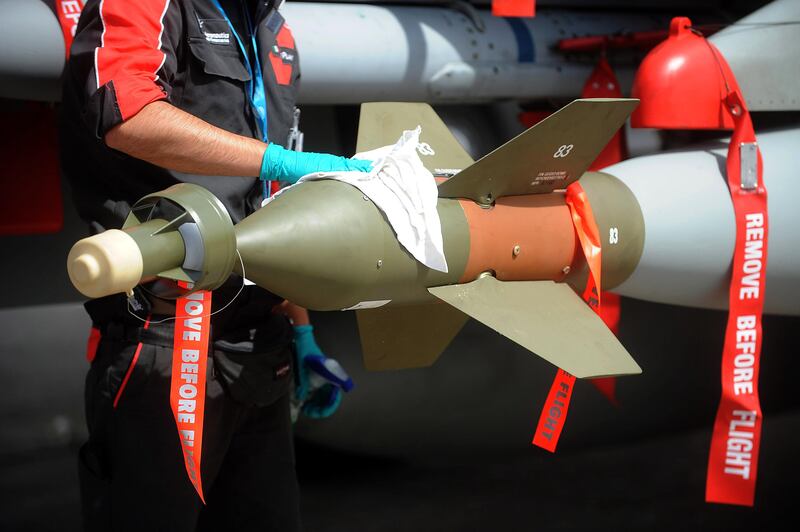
514,260
414,53
691,230
515,263
763,77
31,51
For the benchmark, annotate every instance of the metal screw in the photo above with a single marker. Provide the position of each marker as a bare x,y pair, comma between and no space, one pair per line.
380,263
364,197
517,249
566,270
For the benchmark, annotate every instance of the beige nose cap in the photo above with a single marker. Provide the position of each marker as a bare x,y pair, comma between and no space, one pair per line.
105,264
85,269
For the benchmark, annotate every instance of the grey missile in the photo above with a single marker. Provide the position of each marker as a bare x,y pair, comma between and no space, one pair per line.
690,227
409,53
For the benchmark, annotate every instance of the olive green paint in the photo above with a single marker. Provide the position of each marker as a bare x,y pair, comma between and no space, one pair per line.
382,123
325,246
159,251
620,224
547,318
548,156
198,205
402,337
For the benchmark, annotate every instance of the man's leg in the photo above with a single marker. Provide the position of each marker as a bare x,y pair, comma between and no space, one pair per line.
132,469
256,488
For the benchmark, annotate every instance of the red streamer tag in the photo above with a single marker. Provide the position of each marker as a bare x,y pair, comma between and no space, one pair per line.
187,394
68,11
733,459
514,8
602,83
554,413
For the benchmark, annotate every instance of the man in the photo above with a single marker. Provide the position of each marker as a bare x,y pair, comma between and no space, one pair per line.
159,92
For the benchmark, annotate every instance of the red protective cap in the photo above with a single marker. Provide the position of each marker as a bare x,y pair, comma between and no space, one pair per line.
682,83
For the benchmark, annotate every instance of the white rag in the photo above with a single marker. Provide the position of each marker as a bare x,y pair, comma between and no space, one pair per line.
400,186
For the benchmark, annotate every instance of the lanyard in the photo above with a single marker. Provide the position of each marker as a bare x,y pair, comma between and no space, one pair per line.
254,87
735,443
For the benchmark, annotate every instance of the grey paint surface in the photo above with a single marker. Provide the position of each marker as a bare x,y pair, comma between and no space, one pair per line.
437,54
434,54
763,50
690,228
31,51
42,366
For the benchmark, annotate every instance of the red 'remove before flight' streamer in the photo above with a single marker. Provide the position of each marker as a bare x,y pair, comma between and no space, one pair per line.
554,412
187,395
733,459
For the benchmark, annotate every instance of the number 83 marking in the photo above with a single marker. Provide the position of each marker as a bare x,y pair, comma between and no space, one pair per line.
563,151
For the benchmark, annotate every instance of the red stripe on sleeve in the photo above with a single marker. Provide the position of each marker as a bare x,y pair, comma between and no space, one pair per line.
130,51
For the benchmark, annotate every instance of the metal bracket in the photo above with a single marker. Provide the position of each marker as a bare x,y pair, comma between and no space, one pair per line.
748,165
295,140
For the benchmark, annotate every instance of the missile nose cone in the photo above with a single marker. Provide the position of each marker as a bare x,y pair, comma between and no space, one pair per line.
317,245
104,264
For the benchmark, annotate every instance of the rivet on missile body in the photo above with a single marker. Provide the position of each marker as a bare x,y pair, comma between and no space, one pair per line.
517,249
379,264
566,270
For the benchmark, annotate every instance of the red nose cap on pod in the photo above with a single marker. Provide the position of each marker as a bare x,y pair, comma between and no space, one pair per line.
682,83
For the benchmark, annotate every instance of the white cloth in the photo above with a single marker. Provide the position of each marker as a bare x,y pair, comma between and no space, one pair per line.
401,187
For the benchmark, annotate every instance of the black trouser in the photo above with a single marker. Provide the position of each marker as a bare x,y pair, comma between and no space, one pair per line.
132,469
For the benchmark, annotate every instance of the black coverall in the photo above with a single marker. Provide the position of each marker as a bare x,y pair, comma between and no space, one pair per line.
125,55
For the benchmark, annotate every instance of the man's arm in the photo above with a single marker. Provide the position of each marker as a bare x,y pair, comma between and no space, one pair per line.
166,136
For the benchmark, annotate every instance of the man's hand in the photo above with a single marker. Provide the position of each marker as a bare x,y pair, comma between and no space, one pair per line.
320,380
280,164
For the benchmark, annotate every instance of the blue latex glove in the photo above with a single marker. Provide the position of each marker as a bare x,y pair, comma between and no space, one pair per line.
320,380
280,164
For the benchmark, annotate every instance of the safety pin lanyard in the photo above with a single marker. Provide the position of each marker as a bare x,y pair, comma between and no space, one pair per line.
255,87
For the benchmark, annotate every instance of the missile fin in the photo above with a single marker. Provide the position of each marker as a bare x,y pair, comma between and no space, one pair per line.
548,156
547,318
382,123
408,336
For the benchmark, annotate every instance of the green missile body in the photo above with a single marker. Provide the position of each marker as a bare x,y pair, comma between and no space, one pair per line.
514,262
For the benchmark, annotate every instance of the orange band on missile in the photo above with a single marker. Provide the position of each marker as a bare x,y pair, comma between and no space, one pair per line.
520,238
